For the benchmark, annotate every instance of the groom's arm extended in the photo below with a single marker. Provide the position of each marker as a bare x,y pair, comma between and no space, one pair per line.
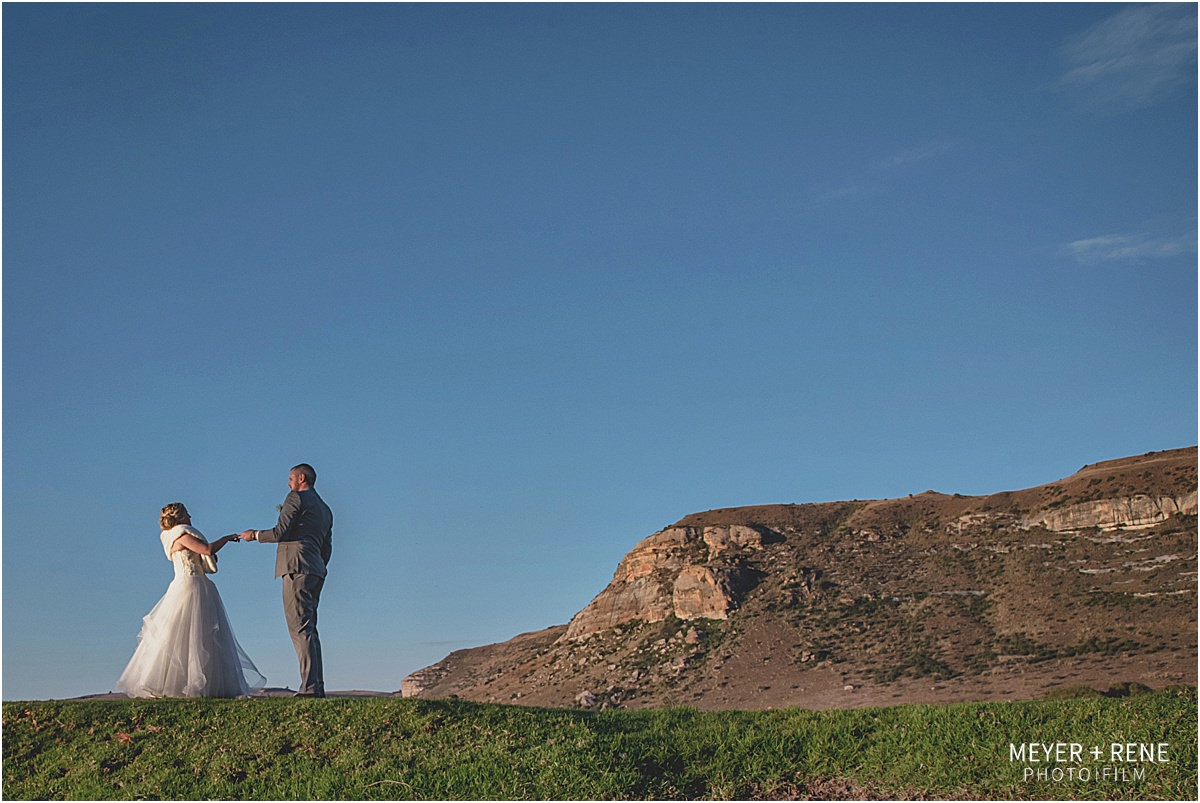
287,516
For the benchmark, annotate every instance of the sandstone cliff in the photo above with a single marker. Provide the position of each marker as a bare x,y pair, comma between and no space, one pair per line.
934,597
1115,514
686,572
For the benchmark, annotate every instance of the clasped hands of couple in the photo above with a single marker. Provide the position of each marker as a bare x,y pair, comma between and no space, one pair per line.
245,535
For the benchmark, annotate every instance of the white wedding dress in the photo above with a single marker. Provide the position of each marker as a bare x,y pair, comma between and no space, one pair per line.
186,647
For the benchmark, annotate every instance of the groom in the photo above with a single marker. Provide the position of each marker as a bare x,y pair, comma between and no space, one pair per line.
304,534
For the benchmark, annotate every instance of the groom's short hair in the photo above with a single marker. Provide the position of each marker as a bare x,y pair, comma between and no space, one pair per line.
308,472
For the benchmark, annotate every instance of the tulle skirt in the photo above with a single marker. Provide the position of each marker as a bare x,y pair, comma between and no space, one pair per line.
187,648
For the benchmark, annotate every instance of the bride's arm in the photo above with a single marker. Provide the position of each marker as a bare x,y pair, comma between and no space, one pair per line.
193,543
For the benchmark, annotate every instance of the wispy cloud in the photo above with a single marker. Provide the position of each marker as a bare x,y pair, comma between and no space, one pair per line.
1127,248
878,176
1134,58
912,156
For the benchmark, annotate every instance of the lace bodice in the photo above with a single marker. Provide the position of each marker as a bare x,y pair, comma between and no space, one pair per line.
186,563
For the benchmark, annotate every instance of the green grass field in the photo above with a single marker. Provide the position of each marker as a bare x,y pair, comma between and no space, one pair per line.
386,748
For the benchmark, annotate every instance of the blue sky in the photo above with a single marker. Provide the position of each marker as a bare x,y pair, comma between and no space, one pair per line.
528,283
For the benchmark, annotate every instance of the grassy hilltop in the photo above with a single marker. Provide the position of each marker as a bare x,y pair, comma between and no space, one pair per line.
391,748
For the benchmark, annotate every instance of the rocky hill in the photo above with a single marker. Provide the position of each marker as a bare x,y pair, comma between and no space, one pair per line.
1088,581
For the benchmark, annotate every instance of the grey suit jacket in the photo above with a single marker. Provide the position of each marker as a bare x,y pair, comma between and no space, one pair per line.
304,534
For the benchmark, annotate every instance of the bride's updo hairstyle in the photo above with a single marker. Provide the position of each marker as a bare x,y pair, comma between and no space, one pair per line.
173,514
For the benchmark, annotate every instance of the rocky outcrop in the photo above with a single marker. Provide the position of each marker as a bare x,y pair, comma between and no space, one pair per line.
686,572
423,679
925,598
1112,514
702,592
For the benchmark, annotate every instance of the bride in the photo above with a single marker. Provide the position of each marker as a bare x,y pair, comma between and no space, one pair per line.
186,647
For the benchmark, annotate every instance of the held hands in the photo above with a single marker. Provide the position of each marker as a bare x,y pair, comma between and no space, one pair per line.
247,535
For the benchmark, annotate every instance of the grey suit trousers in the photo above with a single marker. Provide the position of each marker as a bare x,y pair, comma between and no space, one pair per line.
301,593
